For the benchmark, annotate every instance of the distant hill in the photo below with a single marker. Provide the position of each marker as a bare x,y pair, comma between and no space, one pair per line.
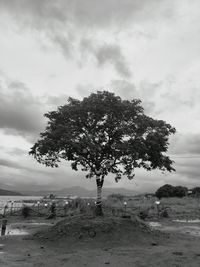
9,193
81,192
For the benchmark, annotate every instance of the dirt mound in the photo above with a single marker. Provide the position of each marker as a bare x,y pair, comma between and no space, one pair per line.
102,230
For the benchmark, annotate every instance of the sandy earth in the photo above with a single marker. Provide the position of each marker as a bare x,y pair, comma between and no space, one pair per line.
24,251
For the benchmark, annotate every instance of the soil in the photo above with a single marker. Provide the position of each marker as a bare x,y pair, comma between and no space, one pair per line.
97,231
86,241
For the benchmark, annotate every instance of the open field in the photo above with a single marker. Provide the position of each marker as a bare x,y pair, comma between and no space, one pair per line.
177,246
177,208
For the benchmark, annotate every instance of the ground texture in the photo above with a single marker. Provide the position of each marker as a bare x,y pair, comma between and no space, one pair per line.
99,242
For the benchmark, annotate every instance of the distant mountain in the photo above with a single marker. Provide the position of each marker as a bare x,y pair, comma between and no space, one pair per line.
81,192
9,193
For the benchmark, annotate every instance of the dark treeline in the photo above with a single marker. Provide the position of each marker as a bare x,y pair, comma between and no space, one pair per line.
168,190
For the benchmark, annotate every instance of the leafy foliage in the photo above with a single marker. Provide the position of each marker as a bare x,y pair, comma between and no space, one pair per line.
168,190
180,191
196,191
104,134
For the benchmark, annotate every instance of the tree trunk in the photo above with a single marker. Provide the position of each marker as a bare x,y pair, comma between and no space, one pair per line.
99,182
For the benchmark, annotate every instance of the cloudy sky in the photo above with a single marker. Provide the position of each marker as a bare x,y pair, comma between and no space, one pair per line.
50,50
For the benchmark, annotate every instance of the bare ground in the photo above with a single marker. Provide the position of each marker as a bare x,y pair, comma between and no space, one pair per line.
146,249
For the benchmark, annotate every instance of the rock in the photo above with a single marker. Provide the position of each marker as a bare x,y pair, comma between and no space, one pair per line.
107,262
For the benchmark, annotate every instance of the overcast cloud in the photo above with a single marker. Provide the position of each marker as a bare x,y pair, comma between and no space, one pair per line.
51,50
20,111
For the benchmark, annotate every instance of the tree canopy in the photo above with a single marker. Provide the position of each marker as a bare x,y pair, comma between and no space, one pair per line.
104,134
168,190
196,191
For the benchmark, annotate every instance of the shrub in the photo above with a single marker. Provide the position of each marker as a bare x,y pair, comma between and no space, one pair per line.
168,190
82,205
165,191
26,211
143,214
180,191
196,191
164,213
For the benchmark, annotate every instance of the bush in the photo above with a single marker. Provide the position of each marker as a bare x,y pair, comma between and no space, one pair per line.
196,191
180,191
26,211
143,214
168,190
164,213
82,205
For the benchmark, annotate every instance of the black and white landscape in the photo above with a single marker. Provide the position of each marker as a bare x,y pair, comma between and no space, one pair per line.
99,99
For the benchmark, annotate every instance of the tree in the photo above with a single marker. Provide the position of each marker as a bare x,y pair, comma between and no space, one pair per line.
180,191
196,191
166,190
104,134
